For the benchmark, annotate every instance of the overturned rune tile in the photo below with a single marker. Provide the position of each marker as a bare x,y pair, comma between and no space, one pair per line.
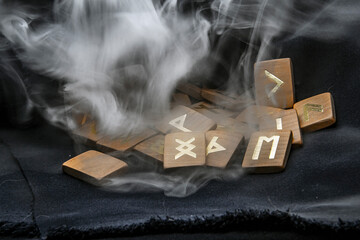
283,120
252,114
268,151
122,144
221,146
211,111
236,127
87,133
181,99
184,119
190,89
153,147
184,149
94,167
236,103
316,112
274,83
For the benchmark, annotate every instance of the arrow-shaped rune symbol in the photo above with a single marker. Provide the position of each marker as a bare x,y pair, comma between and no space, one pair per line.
277,80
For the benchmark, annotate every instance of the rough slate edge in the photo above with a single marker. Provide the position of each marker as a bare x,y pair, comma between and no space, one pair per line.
248,220
16,215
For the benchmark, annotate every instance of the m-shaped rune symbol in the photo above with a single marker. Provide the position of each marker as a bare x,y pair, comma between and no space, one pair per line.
185,148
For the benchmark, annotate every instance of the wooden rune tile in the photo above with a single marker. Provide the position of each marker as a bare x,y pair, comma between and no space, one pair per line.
94,167
220,147
211,111
184,119
274,83
268,151
153,147
283,120
181,99
252,114
236,103
190,89
184,149
122,144
236,127
316,112
87,133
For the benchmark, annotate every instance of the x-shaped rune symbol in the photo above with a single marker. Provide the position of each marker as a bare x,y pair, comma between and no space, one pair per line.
185,148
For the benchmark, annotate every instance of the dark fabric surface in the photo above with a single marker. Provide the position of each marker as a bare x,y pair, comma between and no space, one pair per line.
317,193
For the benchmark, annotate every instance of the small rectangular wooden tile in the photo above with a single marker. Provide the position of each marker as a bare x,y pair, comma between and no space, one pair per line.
236,103
181,99
268,151
221,146
153,147
184,119
211,111
316,112
274,83
184,149
94,167
236,127
190,89
123,143
283,120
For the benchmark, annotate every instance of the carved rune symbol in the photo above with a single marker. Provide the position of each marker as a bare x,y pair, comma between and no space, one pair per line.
214,146
277,80
312,107
179,123
185,148
258,146
279,124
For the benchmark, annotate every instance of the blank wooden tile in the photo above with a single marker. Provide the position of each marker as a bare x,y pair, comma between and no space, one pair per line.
94,167
123,143
190,89
236,103
153,147
283,120
268,151
184,149
274,83
235,126
87,133
181,99
316,112
184,119
211,111
220,147
252,114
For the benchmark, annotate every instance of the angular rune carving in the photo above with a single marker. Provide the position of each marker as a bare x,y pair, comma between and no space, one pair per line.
185,148
277,80
179,123
214,146
259,143
312,107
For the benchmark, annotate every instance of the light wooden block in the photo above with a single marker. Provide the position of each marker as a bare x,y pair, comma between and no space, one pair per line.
236,127
183,119
94,167
316,112
211,111
181,99
252,114
153,147
283,120
190,89
220,147
268,151
274,83
123,144
87,133
184,150
236,103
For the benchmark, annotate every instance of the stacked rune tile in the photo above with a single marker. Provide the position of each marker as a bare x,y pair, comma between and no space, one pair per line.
207,127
